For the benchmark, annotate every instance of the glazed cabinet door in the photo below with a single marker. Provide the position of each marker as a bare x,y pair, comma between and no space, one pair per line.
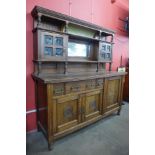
105,51
66,112
112,93
53,46
91,105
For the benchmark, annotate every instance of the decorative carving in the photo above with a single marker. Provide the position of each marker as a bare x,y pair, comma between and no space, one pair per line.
65,67
90,85
66,26
93,105
39,19
68,112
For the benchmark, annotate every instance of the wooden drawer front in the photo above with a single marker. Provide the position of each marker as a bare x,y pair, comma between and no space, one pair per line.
91,84
75,87
58,89
99,83
67,113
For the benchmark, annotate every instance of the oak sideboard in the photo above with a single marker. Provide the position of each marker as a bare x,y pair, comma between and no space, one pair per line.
72,86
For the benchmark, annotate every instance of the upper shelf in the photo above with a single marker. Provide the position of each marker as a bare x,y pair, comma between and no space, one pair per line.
39,12
68,61
74,35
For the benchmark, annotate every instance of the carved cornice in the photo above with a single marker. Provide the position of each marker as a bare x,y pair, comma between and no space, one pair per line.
39,11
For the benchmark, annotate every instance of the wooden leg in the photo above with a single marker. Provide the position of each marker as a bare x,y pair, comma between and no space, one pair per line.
39,129
50,146
119,111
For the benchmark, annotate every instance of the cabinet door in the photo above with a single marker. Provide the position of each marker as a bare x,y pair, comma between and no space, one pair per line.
105,52
91,105
53,46
112,93
66,112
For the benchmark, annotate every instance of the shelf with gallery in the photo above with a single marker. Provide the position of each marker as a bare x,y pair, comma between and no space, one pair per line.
63,40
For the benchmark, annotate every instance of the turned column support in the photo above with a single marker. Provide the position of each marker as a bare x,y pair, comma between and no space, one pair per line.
65,67
66,26
110,66
39,19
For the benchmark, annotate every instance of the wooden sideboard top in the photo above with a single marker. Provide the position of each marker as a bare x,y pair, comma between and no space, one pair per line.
57,78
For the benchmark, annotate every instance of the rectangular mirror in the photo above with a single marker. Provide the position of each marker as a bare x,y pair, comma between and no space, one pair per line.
77,49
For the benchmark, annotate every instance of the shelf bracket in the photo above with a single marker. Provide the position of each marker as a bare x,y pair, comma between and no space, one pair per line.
39,67
39,19
65,67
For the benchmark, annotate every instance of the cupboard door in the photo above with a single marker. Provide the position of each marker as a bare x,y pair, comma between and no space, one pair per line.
92,105
53,46
105,52
112,93
67,112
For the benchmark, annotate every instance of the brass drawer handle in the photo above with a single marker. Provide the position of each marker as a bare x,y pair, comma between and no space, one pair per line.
90,85
99,84
58,91
75,88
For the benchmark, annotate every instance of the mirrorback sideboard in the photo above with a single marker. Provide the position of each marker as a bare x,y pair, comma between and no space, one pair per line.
72,87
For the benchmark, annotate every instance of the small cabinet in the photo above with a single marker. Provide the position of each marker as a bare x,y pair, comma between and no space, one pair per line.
112,93
91,105
105,51
53,46
66,112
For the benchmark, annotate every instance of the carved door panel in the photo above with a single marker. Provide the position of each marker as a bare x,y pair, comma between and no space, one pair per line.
67,113
112,93
92,105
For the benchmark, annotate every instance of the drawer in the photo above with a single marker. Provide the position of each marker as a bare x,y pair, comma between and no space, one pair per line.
90,84
99,83
58,89
72,87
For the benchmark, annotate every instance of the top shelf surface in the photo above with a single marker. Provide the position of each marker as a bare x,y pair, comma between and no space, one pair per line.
65,18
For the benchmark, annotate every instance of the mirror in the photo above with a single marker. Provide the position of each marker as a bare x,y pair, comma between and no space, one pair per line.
77,49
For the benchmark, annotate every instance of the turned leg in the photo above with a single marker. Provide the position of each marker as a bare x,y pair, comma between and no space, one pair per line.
38,127
50,146
119,111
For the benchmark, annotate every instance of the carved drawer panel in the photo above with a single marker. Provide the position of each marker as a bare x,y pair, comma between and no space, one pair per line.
58,89
72,87
99,83
90,84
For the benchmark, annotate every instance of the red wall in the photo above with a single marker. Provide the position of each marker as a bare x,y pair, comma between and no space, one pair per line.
100,12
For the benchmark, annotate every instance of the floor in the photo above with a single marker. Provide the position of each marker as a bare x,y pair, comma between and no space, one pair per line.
109,136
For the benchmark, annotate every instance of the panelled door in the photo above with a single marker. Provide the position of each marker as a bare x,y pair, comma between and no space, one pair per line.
112,93
91,105
66,112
